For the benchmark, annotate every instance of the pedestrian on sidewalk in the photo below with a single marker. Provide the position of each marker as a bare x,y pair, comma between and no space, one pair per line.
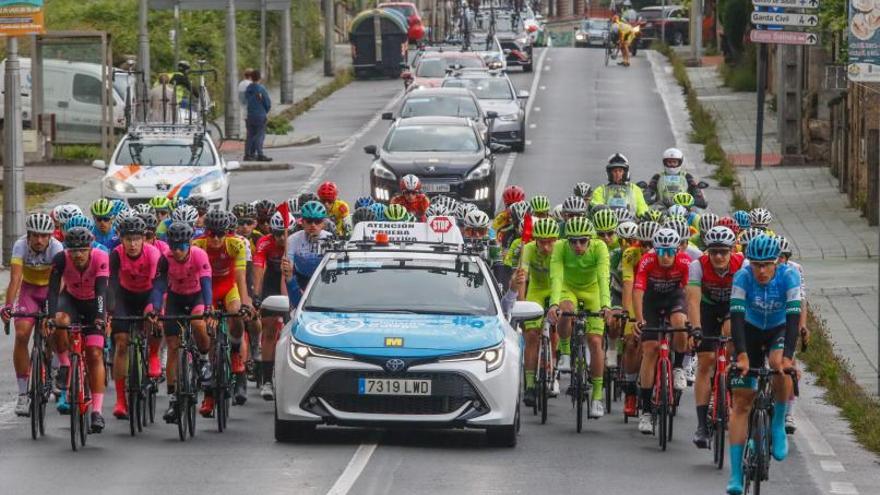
242,87
258,106
162,100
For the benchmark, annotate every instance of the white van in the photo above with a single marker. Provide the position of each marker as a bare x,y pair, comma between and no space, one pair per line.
72,91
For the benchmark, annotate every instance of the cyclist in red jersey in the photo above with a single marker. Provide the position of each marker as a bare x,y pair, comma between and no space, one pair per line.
271,250
659,288
411,197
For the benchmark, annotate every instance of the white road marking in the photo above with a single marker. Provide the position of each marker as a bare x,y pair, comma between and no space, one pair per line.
814,437
543,88
547,68
843,488
528,142
532,126
832,466
537,109
353,470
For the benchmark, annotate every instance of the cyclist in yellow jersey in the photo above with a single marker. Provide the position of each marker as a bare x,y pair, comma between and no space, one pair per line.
337,209
626,35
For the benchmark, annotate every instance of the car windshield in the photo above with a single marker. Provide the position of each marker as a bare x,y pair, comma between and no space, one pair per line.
165,153
438,138
440,105
490,88
650,15
436,66
419,286
599,25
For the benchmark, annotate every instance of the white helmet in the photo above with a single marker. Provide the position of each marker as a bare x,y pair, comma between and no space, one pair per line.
666,238
760,217
39,223
676,210
185,213
276,222
410,182
476,219
673,159
719,236
627,230
65,212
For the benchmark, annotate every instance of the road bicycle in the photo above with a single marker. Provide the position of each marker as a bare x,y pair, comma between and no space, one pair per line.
224,378
546,372
140,388
39,382
581,386
719,402
186,380
78,394
664,398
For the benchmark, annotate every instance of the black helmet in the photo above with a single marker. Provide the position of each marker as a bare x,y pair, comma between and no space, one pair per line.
363,214
307,196
217,221
200,203
265,208
244,211
232,219
78,238
131,226
179,232
150,221
617,160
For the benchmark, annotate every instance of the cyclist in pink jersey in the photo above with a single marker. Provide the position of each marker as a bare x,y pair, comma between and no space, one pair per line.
152,223
84,272
137,284
189,292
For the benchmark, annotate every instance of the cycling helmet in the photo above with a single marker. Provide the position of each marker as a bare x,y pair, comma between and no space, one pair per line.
476,219
675,218
185,213
313,210
276,223
666,238
160,203
244,211
577,227
707,221
63,213
150,221
232,221
680,227
102,208
518,211
444,202
763,248
742,219
436,209
627,230
583,190
677,210
379,210
410,218
79,221
145,208
78,238
305,198
684,199
131,226
396,213
784,246
673,159
119,207
363,214
719,236
39,223
747,235
513,194
363,202
462,209
179,232
605,221
545,228
293,206
651,215
760,217
624,215
126,213
540,204
217,221
617,160
328,191
265,208
647,230
410,182
574,205
200,203
556,213
728,222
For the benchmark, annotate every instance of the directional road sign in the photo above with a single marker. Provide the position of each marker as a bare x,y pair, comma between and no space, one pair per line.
787,4
783,37
785,19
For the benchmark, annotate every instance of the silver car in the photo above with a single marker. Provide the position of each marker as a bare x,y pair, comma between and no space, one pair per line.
592,32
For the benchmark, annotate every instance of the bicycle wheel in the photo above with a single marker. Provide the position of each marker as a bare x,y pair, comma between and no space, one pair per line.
35,391
193,394
663,404
221,377
73,401
760,452
151,401
182,393
545,368
132,388
85,422
144,390
578,374
609,392
720,422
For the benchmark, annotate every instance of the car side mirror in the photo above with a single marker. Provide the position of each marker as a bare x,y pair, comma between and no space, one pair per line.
387,116
280,304
702,184
371,149
522,94
522,311
491,115
642,184
233,165
99,164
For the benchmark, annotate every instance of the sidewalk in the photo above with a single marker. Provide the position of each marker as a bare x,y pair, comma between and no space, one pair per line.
835,245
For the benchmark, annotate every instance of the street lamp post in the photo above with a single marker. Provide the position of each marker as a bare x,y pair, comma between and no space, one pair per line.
13,154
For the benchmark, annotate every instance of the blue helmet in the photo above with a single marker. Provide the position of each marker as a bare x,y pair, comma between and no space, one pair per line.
379,210
763,248
118,206
313,210
742,219
363,202
79,221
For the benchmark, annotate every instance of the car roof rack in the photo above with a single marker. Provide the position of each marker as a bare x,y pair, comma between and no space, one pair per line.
142,130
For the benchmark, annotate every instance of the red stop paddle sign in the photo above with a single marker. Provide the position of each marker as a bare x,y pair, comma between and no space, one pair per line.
440,225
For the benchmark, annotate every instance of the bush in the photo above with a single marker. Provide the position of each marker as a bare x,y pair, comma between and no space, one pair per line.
278,125
743,74
84,152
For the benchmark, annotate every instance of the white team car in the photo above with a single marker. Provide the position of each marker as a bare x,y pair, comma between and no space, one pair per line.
176,161
399,335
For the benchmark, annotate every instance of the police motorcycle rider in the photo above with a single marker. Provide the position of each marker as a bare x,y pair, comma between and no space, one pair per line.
664,186
619,192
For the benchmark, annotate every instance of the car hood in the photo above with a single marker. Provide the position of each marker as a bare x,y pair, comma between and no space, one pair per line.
397,335
428,164
173,181
502,107
428,82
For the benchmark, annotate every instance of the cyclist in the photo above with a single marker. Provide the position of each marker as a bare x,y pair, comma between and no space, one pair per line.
246,223
625,37
83,271
760,218
674,179
619,192
742,219
659,288
30,267
606,223
765,306
708,300
268,281
411,197
337,209
540,206
535,261
707,221
137,284
503,223
104,232
583,191
304,250
228,258
152,223
579,273
266,208
785,253
521,218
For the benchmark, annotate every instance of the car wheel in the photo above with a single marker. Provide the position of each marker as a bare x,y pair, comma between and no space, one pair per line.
505,436
292,431
520,146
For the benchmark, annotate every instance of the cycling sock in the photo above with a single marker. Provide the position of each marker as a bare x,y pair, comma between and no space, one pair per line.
565,346
702,416
22,383
736,470
598,384
61,377
64,359
630,383
267,371
777,432
678,360
530,379
790,405
120,391
645,398
235,344
97,402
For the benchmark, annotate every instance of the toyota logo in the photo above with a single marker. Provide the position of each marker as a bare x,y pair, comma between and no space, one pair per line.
395,365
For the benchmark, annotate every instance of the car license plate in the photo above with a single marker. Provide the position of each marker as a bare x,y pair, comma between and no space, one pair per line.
435,188
393,386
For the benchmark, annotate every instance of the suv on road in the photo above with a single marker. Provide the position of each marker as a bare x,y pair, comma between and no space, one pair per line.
674,17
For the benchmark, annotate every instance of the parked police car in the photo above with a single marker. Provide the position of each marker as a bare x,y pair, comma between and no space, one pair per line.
409,332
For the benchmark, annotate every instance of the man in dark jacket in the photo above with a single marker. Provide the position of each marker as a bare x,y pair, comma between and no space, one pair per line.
258,105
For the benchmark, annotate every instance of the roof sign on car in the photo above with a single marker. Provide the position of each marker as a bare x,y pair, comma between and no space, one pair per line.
439,230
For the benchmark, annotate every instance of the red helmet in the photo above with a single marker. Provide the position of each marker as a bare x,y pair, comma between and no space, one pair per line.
728,222
328,191
513,194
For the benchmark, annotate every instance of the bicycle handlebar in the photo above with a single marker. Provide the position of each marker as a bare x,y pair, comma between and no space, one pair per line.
581,314
766,372
687,329
17,314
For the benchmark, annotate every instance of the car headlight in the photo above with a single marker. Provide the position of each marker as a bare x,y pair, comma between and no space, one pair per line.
209,187
300,353
481,171
493,357
119,186
509,117
383,172
579,36
522,41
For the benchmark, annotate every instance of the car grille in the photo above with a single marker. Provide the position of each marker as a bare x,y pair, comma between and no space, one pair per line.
449,391
132,202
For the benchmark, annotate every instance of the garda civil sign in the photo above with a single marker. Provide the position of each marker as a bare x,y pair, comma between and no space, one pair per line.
784,19
783,37
21,17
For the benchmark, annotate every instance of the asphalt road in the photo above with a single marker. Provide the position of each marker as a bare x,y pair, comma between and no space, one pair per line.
580,112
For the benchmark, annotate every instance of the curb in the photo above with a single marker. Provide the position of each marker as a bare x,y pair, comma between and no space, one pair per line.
264,167
305,141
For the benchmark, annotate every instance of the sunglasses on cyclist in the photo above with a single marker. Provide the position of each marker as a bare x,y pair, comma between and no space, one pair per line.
762,264
246,221
718,252
667,251
313,221
103,219
214,234
579,240
606,234
180,246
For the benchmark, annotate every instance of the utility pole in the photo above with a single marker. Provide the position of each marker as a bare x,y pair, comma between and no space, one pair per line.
762,82
263,70
329,38
13,153
176,31
144,47
286,57
231,112
697,32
